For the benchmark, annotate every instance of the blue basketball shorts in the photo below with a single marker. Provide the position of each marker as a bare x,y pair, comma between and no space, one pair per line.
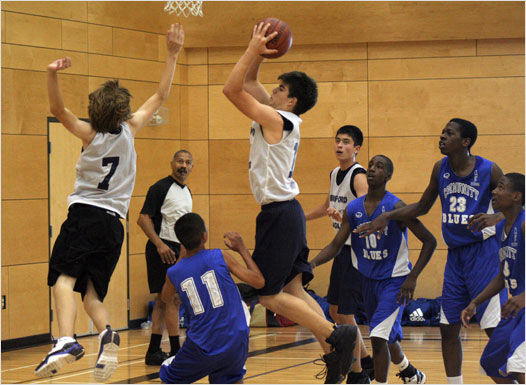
468,271
383,312
345,285
505,351
190,364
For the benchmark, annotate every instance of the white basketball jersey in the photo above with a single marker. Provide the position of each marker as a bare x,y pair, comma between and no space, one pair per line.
271,165
106,172
340,195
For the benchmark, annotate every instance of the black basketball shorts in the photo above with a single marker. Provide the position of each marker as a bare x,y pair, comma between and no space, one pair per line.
87,248
345,285
281,250
156,267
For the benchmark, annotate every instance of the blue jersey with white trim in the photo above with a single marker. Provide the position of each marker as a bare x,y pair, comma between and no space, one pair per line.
511,254
378,258
211,300
462,198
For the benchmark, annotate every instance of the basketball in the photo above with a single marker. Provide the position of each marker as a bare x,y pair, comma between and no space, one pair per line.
282,41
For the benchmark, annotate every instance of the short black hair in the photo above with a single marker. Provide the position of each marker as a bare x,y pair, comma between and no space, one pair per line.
517,182
302,87
388,164
183,152
354,132
467,130
189,229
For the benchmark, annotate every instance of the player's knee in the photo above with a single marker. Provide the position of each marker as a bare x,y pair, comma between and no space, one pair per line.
379,345
450,333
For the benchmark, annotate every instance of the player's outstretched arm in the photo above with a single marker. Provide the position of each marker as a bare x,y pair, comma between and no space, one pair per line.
249,274
494,287
429,244
332,249
234,87
407,212
77,127
174,44
252,84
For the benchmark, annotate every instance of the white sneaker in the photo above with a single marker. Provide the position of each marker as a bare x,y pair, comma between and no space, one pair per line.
61,354
418,378
107,361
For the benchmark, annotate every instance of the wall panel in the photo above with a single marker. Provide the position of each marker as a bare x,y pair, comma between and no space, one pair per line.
70,10
414,49
100,39
17,118
23,219
402,108
500,47
33,30
135,44
28,294
229,167
74,36
194,115
5,312
24,173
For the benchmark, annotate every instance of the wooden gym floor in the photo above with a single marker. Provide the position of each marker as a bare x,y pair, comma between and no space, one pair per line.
277,356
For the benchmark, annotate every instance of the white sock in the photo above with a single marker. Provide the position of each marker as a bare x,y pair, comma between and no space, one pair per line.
403,364
455,380
62,341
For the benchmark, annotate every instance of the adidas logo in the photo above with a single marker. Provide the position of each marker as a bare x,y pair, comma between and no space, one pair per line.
417,316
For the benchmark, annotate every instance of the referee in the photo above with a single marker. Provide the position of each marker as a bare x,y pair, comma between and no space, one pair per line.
167,200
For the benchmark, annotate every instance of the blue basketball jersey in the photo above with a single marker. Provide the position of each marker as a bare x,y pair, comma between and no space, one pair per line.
378,258
462,198
511,253
211,300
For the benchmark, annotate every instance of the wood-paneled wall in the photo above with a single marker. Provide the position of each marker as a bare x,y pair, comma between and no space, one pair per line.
401,93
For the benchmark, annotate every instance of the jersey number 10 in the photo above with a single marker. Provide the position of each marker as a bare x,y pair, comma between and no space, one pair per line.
210,281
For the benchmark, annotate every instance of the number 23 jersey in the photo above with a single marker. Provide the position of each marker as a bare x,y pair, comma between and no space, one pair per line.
378,258
462,197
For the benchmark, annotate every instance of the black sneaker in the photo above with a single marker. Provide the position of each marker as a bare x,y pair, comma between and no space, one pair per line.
109,342
331,371
358,378
368,366
58,357
343,341
412,375
155,359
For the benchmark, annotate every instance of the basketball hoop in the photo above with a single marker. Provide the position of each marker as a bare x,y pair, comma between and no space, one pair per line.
185,8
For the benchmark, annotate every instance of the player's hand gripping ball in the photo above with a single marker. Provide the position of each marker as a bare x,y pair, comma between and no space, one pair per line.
282,41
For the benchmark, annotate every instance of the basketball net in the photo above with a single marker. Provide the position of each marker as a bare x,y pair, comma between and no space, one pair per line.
185,8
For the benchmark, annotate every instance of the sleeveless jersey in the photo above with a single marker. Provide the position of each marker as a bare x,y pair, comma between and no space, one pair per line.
106,172
340,195
211,300
378,258
462,198
511,253
271,166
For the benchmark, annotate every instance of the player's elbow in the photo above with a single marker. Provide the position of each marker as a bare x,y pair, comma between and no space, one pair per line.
258,282
57,111
430,241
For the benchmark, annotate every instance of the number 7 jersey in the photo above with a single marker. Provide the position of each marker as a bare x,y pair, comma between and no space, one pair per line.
462,198
106,172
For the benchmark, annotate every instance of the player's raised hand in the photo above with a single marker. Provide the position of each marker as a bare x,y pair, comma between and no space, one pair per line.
258,43
60,64
480,221
467,314
167,255
334,214
234,241
378,225
175,39
512,306
406,290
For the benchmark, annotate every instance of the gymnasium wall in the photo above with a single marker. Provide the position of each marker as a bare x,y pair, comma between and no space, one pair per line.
400,93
